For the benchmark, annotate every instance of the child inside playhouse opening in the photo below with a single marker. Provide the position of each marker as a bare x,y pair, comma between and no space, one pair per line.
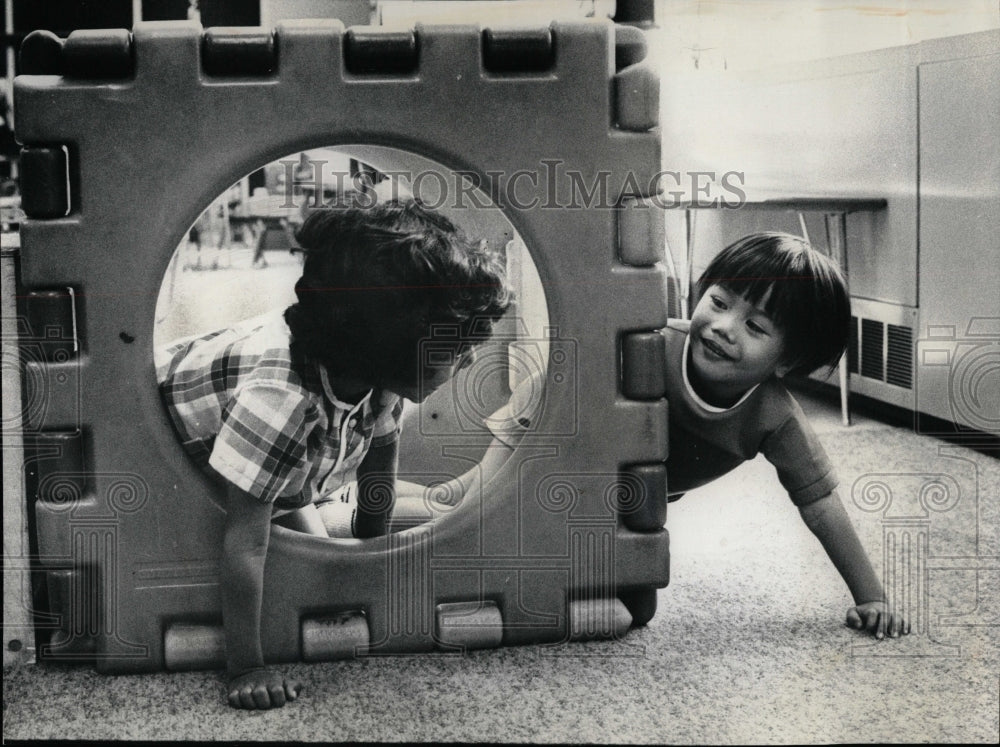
769,305
287,407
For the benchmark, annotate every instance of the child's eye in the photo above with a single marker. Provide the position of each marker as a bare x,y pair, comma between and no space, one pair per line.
718,302
756,328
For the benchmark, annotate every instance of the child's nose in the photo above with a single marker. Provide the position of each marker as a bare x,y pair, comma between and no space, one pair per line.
723,326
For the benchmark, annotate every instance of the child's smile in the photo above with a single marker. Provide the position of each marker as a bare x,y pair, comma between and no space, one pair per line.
734,345
714,349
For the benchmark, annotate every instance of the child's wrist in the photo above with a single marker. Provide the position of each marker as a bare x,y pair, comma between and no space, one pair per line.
234,674
874,599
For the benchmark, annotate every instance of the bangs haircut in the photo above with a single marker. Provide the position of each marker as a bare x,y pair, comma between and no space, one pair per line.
803,292
378,278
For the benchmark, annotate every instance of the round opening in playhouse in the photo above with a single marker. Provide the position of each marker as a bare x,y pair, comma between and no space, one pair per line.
240,261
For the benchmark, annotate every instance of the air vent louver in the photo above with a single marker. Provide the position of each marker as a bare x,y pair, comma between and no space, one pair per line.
899,356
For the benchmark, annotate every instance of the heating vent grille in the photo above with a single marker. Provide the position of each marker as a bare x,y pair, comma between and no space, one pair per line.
852,347
881,351
872,343
899,356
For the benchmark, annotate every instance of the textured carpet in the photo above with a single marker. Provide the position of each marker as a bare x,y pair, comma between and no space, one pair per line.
748,644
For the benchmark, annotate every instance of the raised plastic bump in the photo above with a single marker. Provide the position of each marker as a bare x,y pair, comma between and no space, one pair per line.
98,53
646,511
44,185
187,646
593,619
51,316
331,637
238,51
371,52
469,625
644,360
641,604
70,598
518,50
641,233
639,12
56,395
630,46
41,53
637,98
58,464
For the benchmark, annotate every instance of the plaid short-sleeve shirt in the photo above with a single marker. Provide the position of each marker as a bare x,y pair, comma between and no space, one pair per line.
265,421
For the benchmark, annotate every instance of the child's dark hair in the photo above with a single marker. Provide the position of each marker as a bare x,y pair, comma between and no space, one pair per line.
808,298
377,279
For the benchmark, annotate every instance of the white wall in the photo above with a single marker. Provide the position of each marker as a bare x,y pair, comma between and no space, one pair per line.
752,34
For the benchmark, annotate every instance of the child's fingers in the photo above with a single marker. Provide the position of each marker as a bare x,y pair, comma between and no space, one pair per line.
246,698
261,696
893,626
277,692
875,623
903,625
292,690
854,619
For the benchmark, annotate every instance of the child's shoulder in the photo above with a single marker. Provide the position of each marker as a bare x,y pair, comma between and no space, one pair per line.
260,355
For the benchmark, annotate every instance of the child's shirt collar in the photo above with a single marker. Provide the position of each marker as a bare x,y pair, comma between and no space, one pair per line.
324,377
694,395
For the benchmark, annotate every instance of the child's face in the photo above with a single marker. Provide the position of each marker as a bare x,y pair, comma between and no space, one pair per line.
734,345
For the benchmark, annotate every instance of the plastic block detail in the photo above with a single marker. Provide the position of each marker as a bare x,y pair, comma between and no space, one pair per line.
640,12
57,462
238,52
51,317
500,544
469,625
52,396
372,52
644,359
49,352
44,182
643,501
592,619
98,53
41,53
641,233
74,597
637,98
518,50
341,636
641,604
630,46
187,646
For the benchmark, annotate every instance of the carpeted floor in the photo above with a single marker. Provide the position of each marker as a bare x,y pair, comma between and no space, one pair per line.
748,644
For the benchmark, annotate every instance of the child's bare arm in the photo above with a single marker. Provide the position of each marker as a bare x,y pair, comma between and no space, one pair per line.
247,531
376,490
830,523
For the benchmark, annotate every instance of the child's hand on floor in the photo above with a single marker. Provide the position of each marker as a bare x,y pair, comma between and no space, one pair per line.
261,688
877,620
